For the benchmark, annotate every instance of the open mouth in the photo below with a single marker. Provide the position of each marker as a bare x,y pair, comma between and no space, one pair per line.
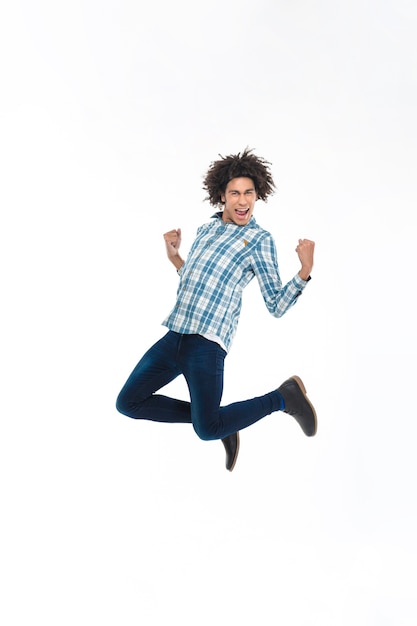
242,212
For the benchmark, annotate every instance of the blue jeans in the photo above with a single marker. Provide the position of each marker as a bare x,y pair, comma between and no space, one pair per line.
202,363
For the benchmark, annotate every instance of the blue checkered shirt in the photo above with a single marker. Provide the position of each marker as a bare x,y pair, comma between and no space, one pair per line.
222,260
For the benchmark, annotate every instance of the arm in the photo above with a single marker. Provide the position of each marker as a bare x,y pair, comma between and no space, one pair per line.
279,298
172,244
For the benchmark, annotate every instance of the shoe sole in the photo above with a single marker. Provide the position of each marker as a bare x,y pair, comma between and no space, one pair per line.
230,469
304,392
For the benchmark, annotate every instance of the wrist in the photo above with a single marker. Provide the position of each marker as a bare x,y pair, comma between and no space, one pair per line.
177,261
304,274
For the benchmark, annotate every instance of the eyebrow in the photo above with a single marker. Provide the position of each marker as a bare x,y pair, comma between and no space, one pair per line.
237,190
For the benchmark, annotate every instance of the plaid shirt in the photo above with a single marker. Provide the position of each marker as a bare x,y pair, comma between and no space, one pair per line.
222,260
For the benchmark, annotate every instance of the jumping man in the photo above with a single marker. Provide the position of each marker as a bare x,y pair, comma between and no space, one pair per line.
227,253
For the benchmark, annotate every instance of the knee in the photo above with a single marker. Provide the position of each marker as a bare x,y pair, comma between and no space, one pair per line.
122,404
204,432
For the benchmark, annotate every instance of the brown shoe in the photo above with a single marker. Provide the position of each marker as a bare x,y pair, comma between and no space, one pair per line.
298,405
231,445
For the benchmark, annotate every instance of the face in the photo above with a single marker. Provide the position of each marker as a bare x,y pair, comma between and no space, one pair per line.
239,201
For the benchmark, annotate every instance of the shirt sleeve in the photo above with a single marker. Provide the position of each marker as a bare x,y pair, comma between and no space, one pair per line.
278,298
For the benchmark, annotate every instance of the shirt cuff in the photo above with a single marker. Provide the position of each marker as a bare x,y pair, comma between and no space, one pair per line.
299,282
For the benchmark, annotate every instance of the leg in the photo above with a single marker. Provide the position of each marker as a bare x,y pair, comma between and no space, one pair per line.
202,363
157,368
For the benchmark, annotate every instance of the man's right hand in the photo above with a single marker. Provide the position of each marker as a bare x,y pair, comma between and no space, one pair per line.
172,244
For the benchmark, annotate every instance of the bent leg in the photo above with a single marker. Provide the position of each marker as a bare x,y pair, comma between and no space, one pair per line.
202,363
157,368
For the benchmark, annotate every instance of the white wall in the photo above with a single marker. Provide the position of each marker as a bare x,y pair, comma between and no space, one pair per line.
110,113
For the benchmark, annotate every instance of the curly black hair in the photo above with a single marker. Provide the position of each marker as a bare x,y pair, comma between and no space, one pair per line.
245,165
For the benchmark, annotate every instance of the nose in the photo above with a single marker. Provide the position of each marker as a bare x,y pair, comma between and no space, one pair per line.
242,200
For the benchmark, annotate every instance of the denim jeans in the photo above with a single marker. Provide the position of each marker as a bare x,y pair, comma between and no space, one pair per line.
201,362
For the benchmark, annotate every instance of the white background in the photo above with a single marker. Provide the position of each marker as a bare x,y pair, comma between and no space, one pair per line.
111,113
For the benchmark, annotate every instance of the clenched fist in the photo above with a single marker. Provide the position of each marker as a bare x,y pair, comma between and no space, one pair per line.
172,244
305,251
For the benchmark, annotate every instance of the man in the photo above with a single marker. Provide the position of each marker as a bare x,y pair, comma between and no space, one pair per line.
226,254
